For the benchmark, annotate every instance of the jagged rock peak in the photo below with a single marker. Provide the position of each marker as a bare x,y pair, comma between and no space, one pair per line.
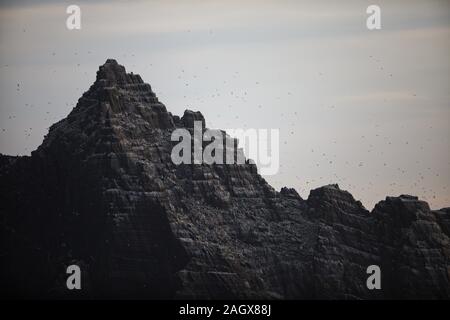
189,117
290,193
112,73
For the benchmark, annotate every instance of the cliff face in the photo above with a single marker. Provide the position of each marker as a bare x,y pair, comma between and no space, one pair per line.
102,192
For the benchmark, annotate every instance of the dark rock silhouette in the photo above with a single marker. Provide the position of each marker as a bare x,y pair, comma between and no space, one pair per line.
102,192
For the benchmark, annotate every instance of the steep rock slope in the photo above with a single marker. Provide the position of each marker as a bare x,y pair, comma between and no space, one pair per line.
102,192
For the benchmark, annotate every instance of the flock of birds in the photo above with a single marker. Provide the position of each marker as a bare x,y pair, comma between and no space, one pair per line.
331,162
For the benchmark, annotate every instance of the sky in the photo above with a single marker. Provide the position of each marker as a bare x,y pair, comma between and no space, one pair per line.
367,109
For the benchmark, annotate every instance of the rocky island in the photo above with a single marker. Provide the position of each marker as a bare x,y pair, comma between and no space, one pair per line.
102,192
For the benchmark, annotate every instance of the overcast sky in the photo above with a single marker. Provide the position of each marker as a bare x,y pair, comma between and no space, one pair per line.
368,110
